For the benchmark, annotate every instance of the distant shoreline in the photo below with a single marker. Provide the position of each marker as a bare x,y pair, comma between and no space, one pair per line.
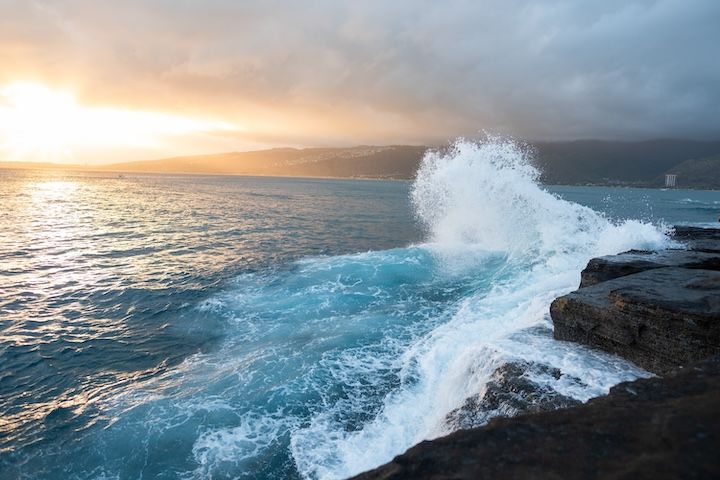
637,164
603,163
74,168
88,169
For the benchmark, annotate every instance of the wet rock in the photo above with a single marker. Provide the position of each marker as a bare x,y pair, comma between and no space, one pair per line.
657,309
658,319
660,310
659,428
609,267
701,251
699,239
511,391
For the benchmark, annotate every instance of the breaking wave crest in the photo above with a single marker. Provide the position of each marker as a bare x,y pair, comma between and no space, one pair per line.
480,201
333,365
487,196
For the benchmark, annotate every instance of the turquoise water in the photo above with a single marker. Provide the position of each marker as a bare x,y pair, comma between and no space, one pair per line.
159,326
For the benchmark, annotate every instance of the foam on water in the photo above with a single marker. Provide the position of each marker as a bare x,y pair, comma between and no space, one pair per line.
343,362
346,361
334,365
482,197
329,366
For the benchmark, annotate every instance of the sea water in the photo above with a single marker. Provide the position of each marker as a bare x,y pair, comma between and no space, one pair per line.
171,326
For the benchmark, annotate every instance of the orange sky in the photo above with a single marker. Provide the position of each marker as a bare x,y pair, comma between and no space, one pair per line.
136,79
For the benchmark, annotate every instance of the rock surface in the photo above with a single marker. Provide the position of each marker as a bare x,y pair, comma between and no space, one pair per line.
656,309
659,319
699,239
657,428
660,310
511,391
606,268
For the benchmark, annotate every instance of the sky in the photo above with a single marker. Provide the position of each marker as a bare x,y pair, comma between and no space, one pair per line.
100,81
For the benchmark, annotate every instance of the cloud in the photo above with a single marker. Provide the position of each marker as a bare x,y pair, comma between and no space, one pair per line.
329,72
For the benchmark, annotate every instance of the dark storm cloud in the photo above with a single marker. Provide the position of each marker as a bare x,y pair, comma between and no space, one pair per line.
402,71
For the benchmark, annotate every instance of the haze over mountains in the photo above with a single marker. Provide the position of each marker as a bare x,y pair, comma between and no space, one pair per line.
697,163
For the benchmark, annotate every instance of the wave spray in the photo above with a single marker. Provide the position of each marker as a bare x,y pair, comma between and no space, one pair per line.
491,225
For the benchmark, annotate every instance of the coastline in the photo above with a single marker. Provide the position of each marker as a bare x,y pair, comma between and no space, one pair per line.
660,310
449,351
76,168
400,179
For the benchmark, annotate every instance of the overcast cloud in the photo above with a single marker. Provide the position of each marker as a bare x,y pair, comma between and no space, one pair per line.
329,72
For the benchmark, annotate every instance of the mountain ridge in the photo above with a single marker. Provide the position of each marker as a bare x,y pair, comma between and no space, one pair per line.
577,162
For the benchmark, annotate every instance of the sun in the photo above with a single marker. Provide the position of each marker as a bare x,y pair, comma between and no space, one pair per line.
41,123
36,120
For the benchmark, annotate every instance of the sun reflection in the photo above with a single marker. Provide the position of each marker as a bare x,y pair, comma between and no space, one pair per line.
52,190
57,207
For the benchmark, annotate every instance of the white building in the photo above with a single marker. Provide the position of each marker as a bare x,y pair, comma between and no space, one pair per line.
670,180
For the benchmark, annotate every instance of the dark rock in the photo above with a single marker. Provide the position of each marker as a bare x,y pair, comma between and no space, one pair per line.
696,233
657,428
613,266
657,309
658,319
702,252
699,239
511,391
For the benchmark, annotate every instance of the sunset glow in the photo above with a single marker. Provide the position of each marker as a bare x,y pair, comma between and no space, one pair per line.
41,123
293,240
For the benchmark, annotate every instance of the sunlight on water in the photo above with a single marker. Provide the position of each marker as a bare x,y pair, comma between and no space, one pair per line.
227,327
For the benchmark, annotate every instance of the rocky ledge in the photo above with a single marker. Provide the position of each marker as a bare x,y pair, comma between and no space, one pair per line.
653,428
510,392
660,310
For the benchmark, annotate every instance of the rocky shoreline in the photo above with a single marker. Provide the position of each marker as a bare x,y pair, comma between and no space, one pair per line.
660,310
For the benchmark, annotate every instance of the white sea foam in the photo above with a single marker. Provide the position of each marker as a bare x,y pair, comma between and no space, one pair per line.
331,365
481,197
234,446
347,361
486,195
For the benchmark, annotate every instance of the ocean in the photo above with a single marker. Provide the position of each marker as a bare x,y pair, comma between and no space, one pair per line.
191,327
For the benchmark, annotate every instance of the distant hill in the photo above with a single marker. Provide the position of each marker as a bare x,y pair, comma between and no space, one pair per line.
623,163
699,173
578,162
582,162
359,162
